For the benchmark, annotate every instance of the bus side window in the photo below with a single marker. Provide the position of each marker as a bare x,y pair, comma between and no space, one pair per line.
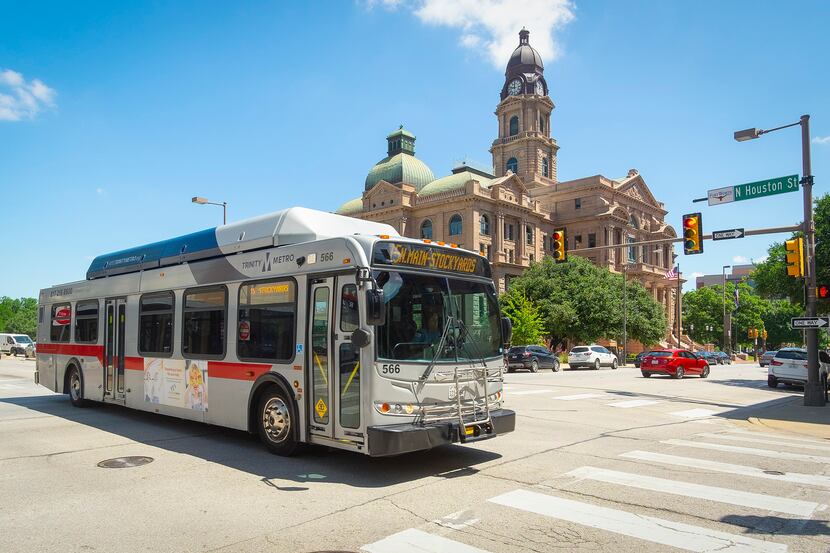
204,318
60,328
155,324
267,320
349,315
86,321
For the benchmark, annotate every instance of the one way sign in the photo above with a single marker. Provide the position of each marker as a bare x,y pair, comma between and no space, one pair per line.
810,322
728,234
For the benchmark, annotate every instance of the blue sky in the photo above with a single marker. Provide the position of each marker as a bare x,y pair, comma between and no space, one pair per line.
113,114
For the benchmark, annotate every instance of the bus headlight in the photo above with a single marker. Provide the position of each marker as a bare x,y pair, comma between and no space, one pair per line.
402,409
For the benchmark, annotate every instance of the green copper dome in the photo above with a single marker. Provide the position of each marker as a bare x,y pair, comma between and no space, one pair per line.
352,207
453,182
400,163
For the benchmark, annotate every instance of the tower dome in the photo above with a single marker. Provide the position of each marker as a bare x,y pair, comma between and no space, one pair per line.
400,163
525,71
525,55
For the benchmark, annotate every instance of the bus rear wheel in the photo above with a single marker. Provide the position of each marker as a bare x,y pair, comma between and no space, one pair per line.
276,423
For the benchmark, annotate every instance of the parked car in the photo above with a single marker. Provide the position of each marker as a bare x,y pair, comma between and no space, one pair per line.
724,357
766,357
592,356
638,359
790,367
676,363
531,358
709,356
17,344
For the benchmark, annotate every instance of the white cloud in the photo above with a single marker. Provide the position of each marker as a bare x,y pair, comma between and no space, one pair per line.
821,140
492,26
761,259
740,259
20,99
696,274
100,191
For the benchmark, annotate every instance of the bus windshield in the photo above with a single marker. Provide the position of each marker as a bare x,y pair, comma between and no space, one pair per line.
418,307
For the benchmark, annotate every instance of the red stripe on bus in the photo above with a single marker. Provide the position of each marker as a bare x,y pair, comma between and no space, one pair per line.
134,363
81,350
236,371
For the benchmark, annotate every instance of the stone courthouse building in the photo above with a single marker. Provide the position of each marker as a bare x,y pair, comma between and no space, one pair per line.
510,213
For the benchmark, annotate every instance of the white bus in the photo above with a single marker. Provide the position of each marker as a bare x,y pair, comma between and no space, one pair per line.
300,326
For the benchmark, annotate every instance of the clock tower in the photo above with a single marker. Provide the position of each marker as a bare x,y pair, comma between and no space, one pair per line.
524,145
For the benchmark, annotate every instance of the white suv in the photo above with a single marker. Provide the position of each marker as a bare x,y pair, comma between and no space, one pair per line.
790,367
592,356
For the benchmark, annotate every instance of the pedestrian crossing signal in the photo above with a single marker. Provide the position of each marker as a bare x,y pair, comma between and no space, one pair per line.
558,245
795,257
692,233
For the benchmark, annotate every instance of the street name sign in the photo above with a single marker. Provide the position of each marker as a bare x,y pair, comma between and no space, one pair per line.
728,234
810,322
752,190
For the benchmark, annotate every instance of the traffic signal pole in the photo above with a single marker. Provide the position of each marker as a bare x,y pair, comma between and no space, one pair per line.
813,394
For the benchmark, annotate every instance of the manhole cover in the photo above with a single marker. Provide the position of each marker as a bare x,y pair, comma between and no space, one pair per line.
774,472
125,462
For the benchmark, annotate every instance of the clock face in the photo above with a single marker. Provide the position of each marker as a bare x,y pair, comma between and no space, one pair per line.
515,87
540,88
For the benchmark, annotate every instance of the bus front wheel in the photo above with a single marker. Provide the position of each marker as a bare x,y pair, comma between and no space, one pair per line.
76,387
276,423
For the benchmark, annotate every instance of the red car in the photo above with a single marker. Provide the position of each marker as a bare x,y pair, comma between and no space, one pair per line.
674,362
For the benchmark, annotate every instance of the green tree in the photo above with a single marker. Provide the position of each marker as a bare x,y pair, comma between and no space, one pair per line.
581,302
777,323
18,316
528,327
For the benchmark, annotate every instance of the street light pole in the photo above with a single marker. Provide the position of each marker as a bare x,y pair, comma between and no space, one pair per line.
726,345
813,394
204,201
625,312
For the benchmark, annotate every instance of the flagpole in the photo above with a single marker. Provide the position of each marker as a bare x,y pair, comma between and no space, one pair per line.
679,322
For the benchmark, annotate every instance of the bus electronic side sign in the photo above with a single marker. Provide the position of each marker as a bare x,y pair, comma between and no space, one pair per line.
430,257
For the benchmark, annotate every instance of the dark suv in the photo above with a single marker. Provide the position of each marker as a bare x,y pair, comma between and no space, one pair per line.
531,358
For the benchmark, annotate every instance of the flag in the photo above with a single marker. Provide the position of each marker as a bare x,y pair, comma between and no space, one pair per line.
737,298
671,274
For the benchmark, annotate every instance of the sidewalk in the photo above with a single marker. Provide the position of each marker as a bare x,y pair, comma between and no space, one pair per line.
793,416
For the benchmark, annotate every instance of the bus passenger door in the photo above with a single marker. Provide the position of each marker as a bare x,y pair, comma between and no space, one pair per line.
320,358
115,312
347,365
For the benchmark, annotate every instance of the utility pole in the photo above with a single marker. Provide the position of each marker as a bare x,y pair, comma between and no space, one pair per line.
677,306
726,342
625,313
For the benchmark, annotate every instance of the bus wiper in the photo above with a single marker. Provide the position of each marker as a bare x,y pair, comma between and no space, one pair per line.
439,350
475,352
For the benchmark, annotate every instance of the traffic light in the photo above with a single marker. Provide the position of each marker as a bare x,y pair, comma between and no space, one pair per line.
752,332
692,233
795,257
559,245
765,334
823,292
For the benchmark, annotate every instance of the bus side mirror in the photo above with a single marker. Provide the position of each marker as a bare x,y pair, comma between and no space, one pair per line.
506,330
375,308
360,338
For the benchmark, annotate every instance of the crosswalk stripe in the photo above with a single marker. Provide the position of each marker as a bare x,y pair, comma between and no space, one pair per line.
529,392
694,413
728,468
764,440
417,541
655,530
750,451
633,403
778,436
577,396
698,491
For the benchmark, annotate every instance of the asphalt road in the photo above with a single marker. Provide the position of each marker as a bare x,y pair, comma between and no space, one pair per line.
600,461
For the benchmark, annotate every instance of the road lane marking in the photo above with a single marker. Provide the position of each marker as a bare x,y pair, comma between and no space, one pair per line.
529,392
728,468
766,440
456,521
751,451
694,413
577,396
698,491
417,541
778,436
633,403
651,529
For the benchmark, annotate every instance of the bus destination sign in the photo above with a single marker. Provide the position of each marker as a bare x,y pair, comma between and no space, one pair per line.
430,257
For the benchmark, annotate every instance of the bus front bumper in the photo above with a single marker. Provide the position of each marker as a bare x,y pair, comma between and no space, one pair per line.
396,439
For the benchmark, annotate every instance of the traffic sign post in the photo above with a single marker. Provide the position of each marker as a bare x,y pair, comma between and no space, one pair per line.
810,322
728,234
752,190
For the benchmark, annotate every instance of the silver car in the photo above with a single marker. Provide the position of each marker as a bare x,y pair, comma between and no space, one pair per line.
766,357
592,356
